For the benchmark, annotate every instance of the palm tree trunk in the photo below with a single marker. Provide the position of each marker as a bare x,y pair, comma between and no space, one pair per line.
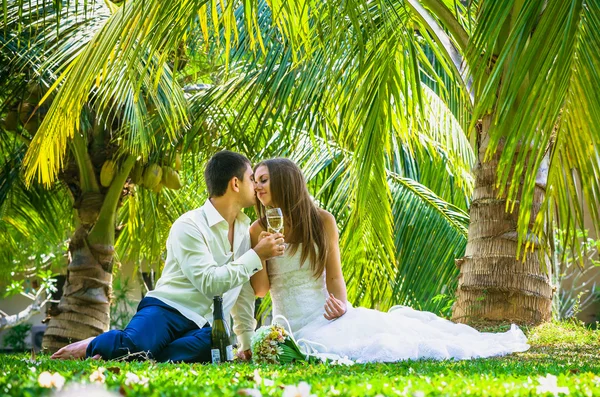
494,286
84,308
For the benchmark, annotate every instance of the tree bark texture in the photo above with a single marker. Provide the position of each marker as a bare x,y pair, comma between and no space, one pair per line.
494,286
84,308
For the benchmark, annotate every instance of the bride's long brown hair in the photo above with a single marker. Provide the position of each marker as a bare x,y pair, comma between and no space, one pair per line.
301,216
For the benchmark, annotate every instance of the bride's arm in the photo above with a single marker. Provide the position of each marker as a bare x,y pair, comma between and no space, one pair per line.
260,280
336,286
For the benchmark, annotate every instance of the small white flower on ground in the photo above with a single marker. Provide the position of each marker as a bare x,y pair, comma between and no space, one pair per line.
98,375
549,384
134,379
418,393
257,378
58,380
48,380
249,393
45,379
302,390
268,382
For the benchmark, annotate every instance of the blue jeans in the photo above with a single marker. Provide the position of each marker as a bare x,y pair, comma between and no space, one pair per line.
160,331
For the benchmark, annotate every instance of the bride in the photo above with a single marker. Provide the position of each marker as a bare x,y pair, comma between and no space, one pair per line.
308,289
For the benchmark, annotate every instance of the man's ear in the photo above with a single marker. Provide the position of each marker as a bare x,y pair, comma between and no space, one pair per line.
235,184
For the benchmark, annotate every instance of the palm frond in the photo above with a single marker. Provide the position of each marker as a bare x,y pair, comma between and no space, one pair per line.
428,232
34,222
547,103
429,235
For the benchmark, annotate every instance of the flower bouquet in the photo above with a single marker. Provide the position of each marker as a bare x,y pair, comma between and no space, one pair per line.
273,345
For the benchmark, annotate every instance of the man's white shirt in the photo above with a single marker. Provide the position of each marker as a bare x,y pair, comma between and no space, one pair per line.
201,265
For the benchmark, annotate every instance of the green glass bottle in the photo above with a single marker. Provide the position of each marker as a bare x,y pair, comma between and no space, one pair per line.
221,349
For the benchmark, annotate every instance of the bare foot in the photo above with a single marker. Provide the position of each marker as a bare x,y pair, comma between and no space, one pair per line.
73,351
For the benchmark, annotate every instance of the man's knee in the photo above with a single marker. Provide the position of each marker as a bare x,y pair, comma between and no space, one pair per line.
192,347
113,344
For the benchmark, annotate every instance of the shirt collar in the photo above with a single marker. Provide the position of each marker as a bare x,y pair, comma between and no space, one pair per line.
213,216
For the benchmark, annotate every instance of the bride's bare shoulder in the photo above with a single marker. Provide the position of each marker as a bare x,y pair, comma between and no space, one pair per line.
255,230
328,219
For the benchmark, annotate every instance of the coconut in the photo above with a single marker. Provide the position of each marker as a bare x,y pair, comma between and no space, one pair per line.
157,188
152,176
107,173
170,178
32,125
11,121
25,111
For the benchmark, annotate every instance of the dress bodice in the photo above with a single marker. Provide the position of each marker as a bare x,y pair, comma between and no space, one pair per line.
296,293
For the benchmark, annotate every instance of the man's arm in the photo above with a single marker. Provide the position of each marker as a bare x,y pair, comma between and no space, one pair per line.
191,251
242,312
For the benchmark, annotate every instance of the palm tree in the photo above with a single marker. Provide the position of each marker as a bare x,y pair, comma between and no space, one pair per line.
532,67
95,177
526,72
144,218
357,73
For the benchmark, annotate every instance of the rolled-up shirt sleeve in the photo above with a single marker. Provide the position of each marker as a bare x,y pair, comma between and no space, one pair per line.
190,249
242,312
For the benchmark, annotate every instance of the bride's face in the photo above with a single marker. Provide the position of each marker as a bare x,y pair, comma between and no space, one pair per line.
262,185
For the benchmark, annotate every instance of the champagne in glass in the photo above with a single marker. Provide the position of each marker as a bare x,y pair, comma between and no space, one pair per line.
220,350
275,220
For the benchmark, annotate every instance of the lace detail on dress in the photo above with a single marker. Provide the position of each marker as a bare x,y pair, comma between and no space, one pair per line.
367,335
296,294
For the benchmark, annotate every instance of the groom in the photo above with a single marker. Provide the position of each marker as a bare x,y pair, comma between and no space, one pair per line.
208,254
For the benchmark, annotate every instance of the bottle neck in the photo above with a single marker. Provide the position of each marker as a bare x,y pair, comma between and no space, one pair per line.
218,309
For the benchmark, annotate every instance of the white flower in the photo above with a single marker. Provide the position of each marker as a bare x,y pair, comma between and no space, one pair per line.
268,382
302,390
249,392
257,378
98,375
45,379
58,380
134,379
549,384
258,336
48,380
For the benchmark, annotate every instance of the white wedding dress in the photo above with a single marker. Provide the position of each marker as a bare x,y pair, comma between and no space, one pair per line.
366,335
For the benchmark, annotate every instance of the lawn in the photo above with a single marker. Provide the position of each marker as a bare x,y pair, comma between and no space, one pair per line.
564,358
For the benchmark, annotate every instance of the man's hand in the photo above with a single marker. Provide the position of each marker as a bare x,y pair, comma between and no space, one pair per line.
334,308
245,355
263,235
270,246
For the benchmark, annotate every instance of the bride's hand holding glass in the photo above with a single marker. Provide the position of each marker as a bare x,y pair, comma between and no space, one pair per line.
275,221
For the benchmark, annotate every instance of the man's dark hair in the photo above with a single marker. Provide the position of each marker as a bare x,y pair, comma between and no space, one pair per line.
221,168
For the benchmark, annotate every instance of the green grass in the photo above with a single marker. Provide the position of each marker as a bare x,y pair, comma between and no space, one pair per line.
566,350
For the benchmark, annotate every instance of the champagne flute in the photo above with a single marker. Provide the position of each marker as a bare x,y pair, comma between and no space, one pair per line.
275,221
